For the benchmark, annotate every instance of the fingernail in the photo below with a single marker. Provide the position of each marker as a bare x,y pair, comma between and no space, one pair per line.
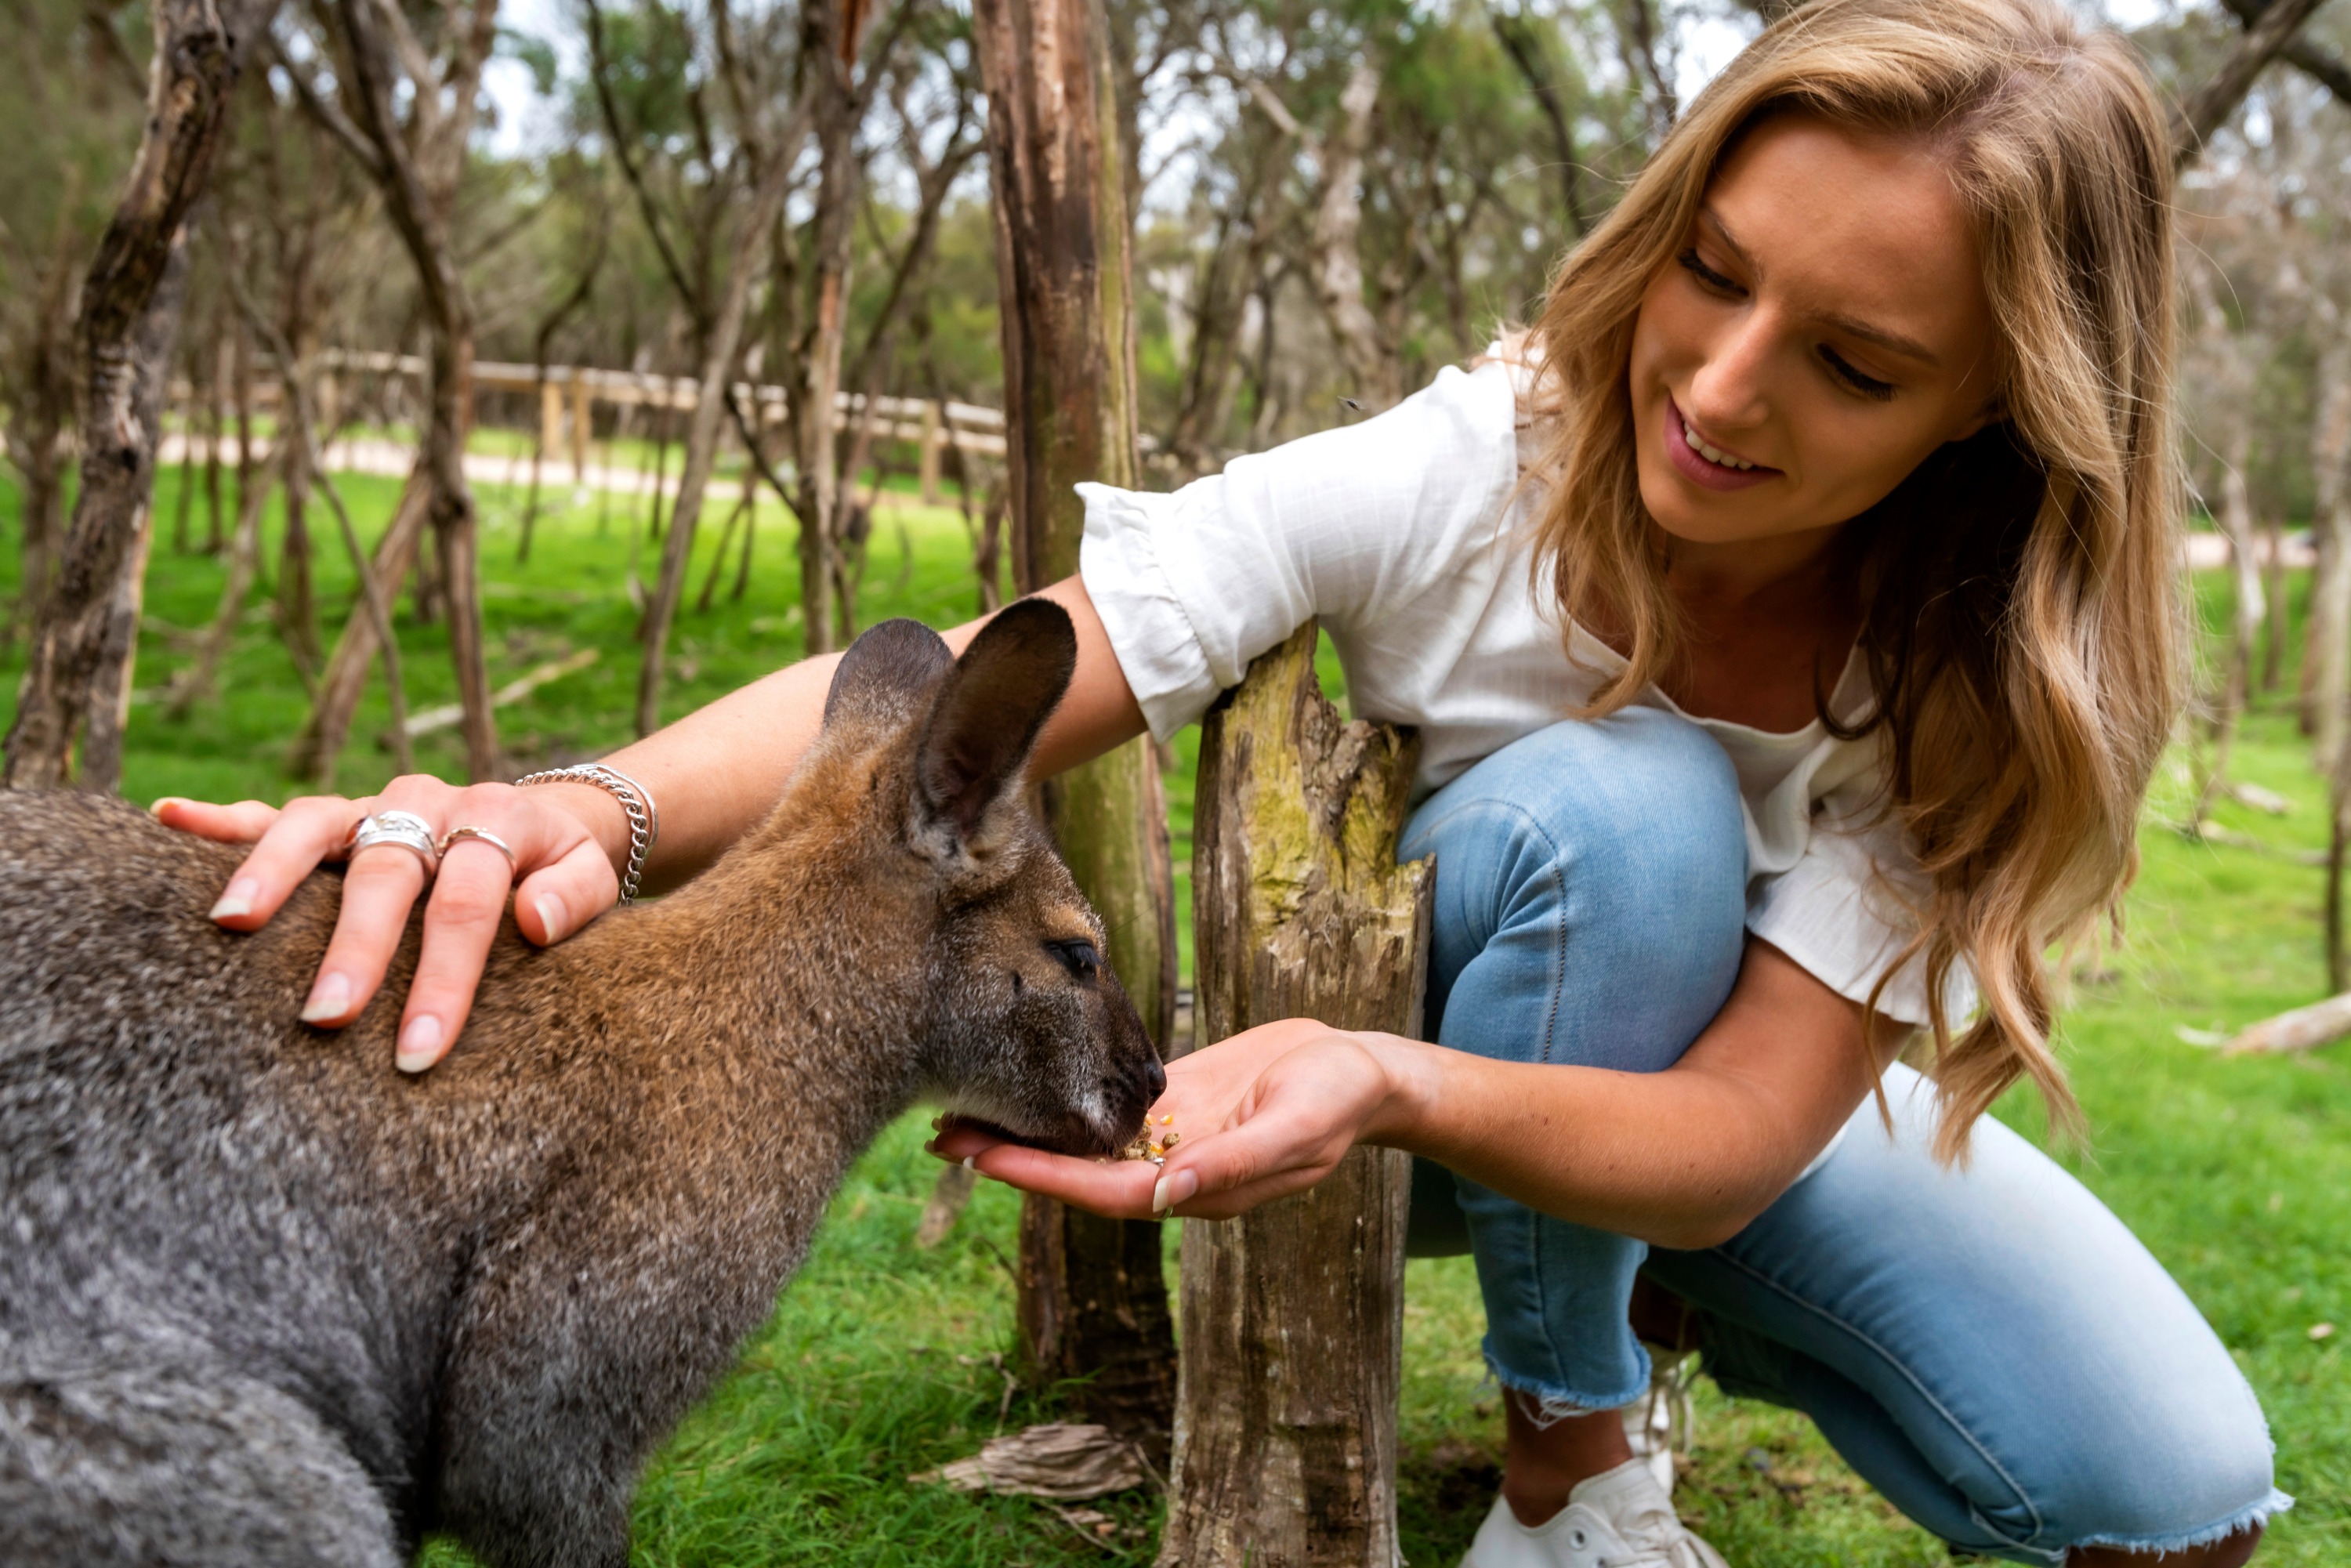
550,915
1170,1190
329,998
971,1162
237,899
161,801
420,1044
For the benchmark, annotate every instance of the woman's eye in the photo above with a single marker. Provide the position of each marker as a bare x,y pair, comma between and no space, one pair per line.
1697,267
1868,386
1078,957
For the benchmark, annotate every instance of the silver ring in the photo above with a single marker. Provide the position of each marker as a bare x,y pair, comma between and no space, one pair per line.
483,835
405,829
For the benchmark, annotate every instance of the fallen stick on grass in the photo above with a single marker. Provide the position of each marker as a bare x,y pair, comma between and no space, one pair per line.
2304,1028
442,717
1058,1459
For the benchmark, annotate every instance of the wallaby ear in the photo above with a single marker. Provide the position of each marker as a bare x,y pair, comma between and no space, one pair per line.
985,719
886,674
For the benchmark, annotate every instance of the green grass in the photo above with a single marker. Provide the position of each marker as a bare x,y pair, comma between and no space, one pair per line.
883,1360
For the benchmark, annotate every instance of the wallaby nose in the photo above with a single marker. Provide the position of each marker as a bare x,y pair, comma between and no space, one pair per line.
1155,1077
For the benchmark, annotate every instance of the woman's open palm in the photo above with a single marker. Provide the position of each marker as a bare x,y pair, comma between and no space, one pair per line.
1268,1112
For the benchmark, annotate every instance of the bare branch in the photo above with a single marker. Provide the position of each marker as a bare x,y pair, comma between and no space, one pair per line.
1266,99
1525,50
425,112
2202,112
2315,60
599,68
323,112
463,82
101,24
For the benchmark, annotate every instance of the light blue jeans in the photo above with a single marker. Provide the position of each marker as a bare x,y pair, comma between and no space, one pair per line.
1990,1348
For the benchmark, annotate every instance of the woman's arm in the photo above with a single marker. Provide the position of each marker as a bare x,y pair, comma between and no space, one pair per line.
714,773
1683,1158
717,770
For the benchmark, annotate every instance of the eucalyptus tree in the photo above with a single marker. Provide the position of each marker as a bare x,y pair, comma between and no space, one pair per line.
70,121
76,685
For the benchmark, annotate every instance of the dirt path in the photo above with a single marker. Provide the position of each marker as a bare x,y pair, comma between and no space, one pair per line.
368,455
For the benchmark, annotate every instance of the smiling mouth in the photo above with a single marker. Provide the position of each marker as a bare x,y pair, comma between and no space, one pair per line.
1712,453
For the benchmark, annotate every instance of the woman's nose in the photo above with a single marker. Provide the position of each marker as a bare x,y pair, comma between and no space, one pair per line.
1730,390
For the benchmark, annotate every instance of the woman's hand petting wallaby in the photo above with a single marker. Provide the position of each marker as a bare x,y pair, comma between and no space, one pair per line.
562,877
1269,1112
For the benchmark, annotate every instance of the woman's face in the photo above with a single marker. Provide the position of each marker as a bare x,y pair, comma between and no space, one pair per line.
1821,328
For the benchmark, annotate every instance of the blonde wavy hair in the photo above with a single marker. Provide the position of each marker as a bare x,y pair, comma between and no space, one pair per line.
2023,621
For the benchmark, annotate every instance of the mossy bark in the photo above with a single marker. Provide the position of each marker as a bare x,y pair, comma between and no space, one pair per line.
1293,1314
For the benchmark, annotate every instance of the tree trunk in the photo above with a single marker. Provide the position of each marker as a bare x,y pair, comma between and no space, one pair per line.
37,441
819,377
41,462
2246,617
743,504
702,438
196,682
316,749
1093,1301
240,391
2328,640
297,603
76,678
1338,262
2280,625
2231,370
1293,1314
456,535
2330,629
216,431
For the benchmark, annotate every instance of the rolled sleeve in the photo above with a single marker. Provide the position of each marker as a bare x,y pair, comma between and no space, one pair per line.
1159,651
1346,525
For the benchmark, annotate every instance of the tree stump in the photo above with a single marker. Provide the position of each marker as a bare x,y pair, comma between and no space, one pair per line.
1294,1314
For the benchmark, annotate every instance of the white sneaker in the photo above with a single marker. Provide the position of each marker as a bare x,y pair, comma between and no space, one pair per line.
1617,1518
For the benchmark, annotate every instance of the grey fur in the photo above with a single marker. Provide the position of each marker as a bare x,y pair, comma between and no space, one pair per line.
265,1301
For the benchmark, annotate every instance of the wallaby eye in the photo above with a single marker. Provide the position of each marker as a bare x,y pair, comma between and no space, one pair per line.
1078,957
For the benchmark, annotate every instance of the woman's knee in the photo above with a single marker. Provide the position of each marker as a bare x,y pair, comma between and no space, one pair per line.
1639,809
1614,848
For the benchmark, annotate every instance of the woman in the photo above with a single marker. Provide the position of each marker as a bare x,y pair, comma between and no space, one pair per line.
1790,623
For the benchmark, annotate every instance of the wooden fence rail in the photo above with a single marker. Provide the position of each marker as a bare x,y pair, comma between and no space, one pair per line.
567,396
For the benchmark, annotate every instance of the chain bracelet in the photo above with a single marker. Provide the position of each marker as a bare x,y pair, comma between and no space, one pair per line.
636,803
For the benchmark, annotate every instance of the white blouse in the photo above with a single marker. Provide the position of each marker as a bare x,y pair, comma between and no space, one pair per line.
1409,535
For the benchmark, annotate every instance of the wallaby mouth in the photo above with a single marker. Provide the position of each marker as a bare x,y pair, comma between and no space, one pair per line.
1076,1134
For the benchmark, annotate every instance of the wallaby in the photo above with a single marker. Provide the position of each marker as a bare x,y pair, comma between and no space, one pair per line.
265,1301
